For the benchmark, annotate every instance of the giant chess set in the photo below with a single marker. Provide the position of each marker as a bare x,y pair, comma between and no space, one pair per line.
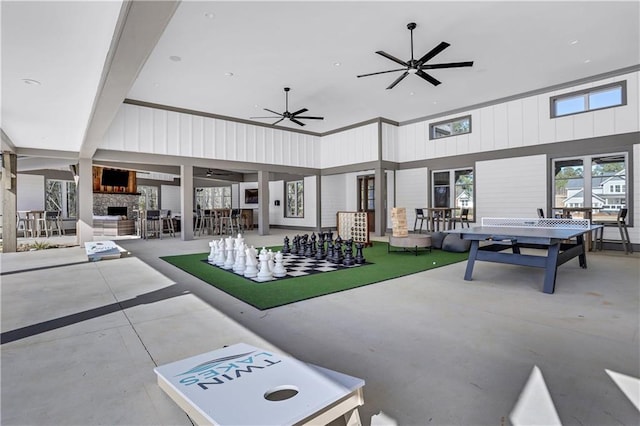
304,255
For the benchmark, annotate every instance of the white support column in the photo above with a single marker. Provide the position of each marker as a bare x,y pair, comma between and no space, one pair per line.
186,202
84,225
9,202
263,202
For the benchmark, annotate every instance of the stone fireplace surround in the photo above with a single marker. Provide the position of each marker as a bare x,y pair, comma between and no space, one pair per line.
102,201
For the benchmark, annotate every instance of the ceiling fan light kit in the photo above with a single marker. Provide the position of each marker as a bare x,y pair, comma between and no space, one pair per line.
291,116
417,67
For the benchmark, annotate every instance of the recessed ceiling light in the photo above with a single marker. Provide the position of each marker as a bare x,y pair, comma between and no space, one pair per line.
228,74
175,58
210,15
411,93
573,42
435,102
336,64
256,106
31,81
586,61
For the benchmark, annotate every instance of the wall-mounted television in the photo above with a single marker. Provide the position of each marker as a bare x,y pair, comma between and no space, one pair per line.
113,177
251,196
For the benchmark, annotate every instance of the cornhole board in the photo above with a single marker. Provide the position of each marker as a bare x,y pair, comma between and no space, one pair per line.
245,385
99,250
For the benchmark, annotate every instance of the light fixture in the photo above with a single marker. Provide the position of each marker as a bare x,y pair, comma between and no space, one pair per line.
31,82
573,42
175,58
336,64
228,74
210,15
586,61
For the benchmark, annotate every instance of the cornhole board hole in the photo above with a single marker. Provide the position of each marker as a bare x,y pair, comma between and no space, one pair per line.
245,385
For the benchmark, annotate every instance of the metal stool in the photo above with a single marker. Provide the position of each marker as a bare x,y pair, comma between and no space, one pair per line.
621,223
419,217
166,222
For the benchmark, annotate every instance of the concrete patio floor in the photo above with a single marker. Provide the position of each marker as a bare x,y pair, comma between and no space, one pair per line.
82,338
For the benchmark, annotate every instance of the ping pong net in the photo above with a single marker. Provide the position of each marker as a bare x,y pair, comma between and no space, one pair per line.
547,223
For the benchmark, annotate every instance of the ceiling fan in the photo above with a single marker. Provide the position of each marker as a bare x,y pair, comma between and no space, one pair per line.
292,116
417,67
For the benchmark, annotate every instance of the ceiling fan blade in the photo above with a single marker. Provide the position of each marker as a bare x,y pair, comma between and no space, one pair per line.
382,72
264,117
433,52
427,77
312,118
273,124
398,80
447,65
391,57
299,123
273,112
300,111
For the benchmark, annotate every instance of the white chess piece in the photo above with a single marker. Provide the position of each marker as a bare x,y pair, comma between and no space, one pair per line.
279,270
220,258
228,263
251,270
239,240
241,263
213,253
265,273
270,262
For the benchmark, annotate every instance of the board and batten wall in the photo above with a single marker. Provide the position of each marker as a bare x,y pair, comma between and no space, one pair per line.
522,122
155,131
511,187
352,146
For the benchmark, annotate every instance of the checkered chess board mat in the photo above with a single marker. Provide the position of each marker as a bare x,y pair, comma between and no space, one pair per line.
300,266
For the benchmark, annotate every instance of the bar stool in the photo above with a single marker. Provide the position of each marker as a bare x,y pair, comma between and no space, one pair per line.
166,223
153,224
236,216
54,222
24,224
621,223
226,222
41,224
419,217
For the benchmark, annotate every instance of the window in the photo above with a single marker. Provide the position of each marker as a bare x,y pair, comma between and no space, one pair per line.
607,96
148,197
454,127
607,191
61,196
461,180
295,199
217,197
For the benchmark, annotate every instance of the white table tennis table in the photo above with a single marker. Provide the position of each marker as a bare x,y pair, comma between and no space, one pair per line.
563,239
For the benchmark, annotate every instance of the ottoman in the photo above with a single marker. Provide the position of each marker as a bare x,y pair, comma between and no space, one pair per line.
410,243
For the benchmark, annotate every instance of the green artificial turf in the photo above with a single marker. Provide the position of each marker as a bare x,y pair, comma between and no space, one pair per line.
384,266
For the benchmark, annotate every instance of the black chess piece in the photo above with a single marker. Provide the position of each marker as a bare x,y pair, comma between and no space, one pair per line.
337,251
296,245
307,248
286,248
348,253
313,244
320,253
359,257
330,251
329,235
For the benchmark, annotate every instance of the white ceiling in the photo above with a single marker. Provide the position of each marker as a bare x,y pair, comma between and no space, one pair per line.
516,46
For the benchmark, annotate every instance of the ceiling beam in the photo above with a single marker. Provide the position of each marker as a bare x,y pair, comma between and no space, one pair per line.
139,27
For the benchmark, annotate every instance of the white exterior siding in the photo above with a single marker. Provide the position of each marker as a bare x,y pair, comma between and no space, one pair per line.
512,187
333,199
351,146
523,122
146,130
411,192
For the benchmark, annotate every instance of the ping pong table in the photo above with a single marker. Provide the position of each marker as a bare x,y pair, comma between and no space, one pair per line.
563,239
